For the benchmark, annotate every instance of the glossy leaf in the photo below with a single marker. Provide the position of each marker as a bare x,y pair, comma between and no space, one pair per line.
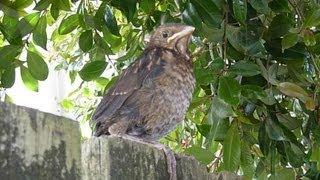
308,38
263,138
260,6
246,160
28,23
69,24
86,41
274,131
8,77
190,16
240,10
244,68
8,54
147,5
202,155
42,4
209,12
293,90
128,7
229,90
40,33
101,42
111,21
289,40
280,26
28,80
313,19
92,70
279,6
232,148
37,66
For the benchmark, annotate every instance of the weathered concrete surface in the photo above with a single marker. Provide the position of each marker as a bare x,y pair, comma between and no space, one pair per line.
114,158
41,146
36,145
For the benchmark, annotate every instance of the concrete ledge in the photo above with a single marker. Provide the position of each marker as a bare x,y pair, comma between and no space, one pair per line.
41,146
114,158
37,145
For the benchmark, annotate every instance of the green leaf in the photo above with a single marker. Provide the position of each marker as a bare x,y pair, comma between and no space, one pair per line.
288,121
54,11
232,149
209,12
240,10
219,110
294,155
280,26
190,16
69,24
218,129
37,66
246,160
274,131
245,68
28,23
246,40
279,6
313,19
293,90
229,90
253,92
28,80
86,41
102,43
308,38
8,54
67,104
21,4
202,155
263,138
285,174
111,21
213,34
127,7
147,5
42,4
40,33
61,4
289,40
261,6
10,29
92,70
8,77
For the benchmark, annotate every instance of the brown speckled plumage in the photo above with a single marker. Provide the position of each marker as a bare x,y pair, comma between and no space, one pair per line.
152,95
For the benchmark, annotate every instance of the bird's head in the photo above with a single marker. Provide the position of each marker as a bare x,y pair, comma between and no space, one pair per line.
172,36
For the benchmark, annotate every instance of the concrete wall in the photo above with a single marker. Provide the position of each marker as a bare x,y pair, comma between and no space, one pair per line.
36,145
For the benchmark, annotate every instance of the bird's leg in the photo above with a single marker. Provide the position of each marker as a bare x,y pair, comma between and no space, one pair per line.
170,158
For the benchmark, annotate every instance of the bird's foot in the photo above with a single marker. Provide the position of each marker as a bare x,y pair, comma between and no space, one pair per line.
170,159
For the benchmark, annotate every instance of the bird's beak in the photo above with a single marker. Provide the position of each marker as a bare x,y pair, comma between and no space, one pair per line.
186,31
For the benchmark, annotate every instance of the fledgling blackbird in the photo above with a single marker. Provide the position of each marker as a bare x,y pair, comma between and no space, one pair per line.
152,95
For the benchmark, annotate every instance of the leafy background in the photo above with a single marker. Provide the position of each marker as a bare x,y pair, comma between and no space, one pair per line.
255,108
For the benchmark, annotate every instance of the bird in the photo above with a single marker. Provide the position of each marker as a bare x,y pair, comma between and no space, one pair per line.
151,96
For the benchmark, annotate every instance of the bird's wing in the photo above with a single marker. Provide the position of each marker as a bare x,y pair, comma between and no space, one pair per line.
129,81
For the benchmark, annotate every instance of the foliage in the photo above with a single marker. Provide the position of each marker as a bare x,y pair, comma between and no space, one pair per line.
255,108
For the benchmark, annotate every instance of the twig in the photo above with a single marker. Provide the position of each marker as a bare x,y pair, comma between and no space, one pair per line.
77,89
112,64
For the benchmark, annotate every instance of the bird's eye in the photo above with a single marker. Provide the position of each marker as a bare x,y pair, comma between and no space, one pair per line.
165,35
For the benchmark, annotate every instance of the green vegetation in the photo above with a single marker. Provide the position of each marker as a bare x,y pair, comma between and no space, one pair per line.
255,108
